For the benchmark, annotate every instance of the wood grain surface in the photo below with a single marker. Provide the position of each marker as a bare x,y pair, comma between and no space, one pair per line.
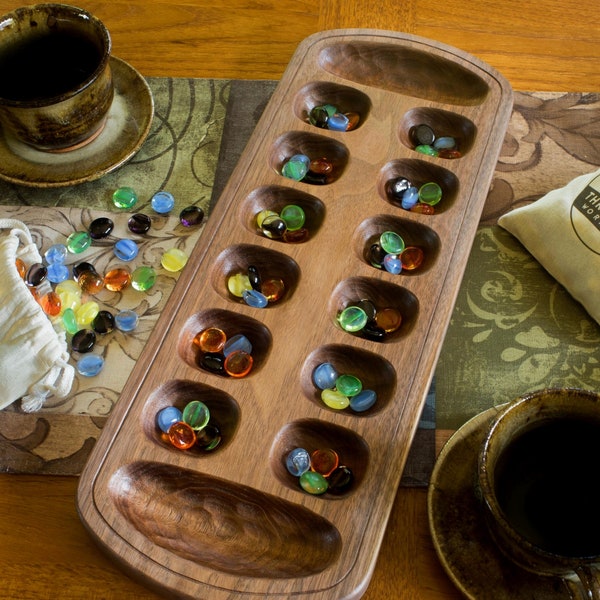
548,45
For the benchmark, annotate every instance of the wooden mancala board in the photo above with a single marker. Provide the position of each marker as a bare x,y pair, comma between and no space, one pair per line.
234,522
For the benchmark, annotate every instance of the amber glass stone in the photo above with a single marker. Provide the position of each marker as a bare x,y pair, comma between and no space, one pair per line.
211,339
90,282
181,435
296,237
424,209
321,166
389,319
117,279
238,364
273,289
324,461
82,267
412,258
21,268
353,120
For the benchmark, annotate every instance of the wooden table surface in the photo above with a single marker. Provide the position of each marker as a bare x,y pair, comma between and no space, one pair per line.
548,45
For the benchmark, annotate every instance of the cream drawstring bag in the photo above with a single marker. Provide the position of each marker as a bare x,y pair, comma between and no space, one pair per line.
562,231
33,356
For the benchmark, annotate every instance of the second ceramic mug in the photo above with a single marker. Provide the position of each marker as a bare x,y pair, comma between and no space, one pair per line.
56,84
538,470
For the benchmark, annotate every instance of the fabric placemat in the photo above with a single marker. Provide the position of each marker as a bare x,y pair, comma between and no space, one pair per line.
199,132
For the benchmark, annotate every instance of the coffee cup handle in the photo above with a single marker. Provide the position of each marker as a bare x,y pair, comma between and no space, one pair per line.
586,586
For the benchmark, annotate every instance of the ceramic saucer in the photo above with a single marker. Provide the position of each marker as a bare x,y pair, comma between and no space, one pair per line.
126,128
460,535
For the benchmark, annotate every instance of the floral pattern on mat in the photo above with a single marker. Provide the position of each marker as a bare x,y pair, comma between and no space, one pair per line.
514,328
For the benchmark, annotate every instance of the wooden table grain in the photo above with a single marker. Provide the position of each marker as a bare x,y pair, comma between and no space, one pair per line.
548,45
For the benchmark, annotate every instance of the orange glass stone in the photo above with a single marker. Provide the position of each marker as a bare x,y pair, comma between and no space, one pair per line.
117,279
389,319
238,363
211,339
21,268
324,461
322,166
181,435
424,209
296,237
412,258
273,289
51,304
353,120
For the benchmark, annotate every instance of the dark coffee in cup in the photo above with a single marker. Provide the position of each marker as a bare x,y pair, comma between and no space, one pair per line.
542,484
47,65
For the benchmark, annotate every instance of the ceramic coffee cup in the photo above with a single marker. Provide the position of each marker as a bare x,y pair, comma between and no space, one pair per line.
538,477
55,79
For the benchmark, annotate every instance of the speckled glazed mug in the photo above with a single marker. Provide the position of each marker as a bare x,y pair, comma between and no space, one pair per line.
538,477
56,83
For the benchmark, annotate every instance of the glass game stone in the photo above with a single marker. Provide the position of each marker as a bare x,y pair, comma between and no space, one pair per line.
296,167
174,260
410,198
36,274
181,435
392,264
430,193
126,320
444,143
57,272
168,416
139,223
349,385
101,227
263,214
213,362
363,401
90,282
293,216
124,197
70,321
421,134
254,278
423,209
238,363
391,242
273,289
211,339
196,415
104,322
117,279
325,376
335,399
254,298
208,438
324,461
163,202
57,253
191,216
318,116
412,258
425,149
313,483
353,120
237,284
90,365
297,462
389,319
143,278
273,227
78,241
125,250
83,341
340,480
87,312
352,319
235,343
338,122
51,304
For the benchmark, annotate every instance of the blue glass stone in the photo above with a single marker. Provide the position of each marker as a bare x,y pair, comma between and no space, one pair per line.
126,320
298,461
56,254
254,298
126,250
338,122
392,264
167,416
90,365
444,143
163,202
325,376
57,272
363,400
235,343
410,197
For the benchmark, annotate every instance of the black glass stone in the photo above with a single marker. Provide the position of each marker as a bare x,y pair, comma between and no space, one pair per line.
372,332
318,116
422,135
191,215
83,341
208,438
139,223
213,362
36,274
100,228
375,255
104,322
395,188
369,308
254,277
315,178
274,228
340,480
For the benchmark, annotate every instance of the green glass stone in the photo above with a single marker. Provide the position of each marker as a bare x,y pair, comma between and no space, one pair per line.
79,241
196,415
428,150
330,109
143,278
294,216
335,399
313,483
124,197
296,167
70,321
391,242
349,385
430,193
352,319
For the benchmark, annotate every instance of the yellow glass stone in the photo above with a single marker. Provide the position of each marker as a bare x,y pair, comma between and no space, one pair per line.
239,283
334,399
174,260
87,312
262,215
